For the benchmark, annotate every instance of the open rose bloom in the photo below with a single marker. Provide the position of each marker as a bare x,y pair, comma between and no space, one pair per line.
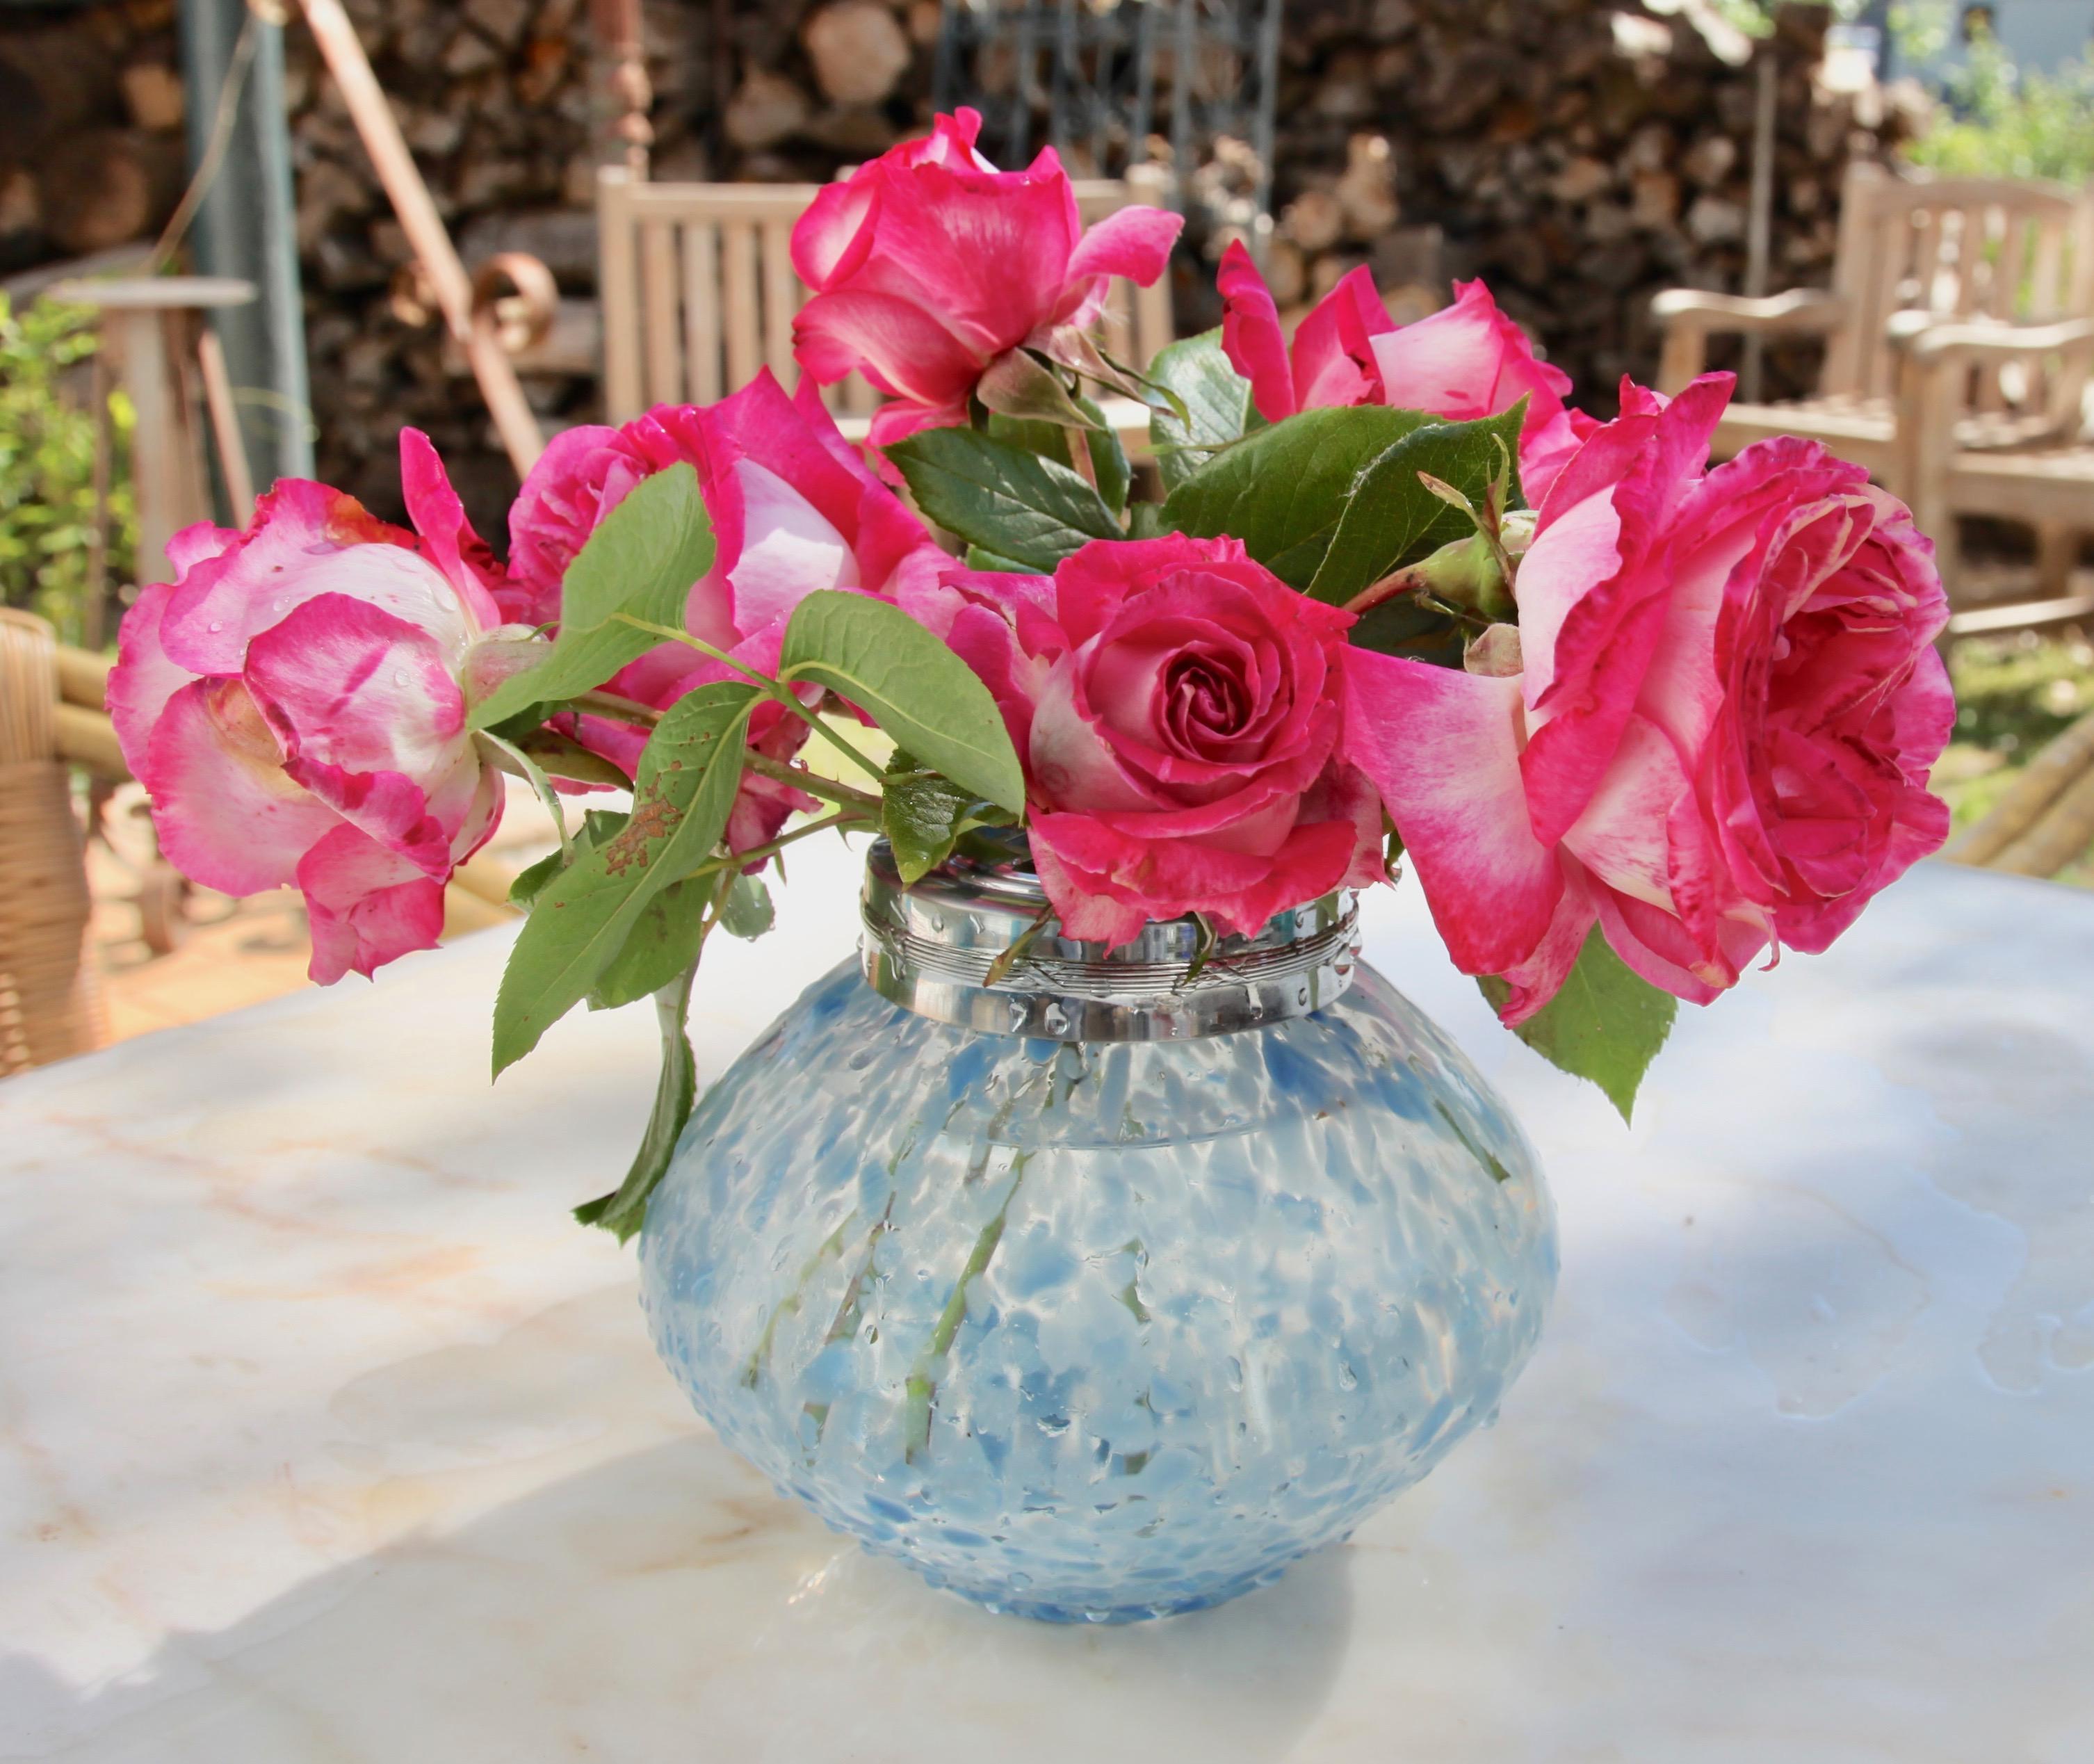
294,702
794,509
1680,712
929,263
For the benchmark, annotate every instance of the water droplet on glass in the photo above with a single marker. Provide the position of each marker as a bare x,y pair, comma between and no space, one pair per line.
1017,1017
1348,1378
937,921
1054,1020
1302,995
1236,1373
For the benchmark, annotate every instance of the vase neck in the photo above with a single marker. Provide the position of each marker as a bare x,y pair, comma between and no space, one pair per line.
944,948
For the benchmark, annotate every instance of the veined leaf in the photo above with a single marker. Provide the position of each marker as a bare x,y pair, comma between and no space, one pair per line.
923,816
1003,498
1606,1024
1284,490
1392,519
909,683
689,774
1218,406
642,559
1051,440
746,912
663,941
625,1210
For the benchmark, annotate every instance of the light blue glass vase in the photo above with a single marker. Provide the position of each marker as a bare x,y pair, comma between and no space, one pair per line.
1090,1291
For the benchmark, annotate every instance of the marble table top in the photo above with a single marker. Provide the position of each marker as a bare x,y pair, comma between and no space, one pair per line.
324,1435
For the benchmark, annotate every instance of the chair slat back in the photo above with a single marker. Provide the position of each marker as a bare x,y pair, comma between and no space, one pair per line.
698,291
1963,248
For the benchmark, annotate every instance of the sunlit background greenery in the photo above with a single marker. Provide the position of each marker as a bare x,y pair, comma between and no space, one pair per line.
47,442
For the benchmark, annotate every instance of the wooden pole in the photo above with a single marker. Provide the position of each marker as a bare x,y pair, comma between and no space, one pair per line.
426,232
620,29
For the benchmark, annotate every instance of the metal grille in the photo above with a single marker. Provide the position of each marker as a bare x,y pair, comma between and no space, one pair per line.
1099,79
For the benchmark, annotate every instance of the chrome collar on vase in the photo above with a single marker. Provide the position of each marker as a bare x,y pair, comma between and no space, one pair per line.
931,948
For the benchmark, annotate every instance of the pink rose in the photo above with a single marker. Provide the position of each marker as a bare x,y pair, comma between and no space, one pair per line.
1468,360
295,703
929,263
793,509
1178,709
1721,731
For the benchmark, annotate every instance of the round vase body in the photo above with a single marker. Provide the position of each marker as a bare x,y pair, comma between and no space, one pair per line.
1097,1331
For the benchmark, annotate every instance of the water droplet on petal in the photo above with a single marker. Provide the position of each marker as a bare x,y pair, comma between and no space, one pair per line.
217,625
399,676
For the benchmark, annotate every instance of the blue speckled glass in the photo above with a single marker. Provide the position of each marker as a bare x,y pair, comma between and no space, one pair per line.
1095,1331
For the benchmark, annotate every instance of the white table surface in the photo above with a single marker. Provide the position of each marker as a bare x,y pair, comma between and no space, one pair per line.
325,1436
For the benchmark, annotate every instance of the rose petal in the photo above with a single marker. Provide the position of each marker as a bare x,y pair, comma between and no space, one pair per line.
1443,749
366,905
1251,336
227,814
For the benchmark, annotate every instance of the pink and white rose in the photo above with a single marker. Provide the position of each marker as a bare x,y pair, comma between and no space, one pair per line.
793,509
1178,709
1718,737
928,263
294,702
1467,361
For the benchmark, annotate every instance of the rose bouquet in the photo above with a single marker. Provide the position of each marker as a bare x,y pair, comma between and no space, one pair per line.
1631,721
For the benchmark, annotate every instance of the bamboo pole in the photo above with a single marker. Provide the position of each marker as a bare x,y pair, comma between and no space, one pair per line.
426,232
2022,804
2063,832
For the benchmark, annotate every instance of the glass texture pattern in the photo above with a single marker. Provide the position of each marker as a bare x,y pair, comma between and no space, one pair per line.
1096,1331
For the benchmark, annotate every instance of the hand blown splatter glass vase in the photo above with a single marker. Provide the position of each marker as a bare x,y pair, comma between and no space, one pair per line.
1090,1291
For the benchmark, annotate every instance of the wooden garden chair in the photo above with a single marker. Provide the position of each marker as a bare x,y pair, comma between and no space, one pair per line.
50,998
698,292
2035,462
1911,250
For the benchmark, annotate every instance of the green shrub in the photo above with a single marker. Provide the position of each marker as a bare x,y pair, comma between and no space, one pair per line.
47,467
2002,120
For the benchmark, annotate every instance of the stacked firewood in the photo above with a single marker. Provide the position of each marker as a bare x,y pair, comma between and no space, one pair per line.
90,130
1579,157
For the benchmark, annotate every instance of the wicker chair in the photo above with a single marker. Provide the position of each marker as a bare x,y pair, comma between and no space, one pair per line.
50,1000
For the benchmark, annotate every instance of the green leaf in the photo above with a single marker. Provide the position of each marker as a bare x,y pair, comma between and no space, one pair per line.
1051,441
1001,497
1405,626
909,683
689,774
1606,1024
531,881
1218,406
1284,490
747,912
979,559
923,816
511,759
1392,517
1019,384
625,1210
642,559
1147,520
663,941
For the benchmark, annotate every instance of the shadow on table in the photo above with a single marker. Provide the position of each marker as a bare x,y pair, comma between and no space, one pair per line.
667,1604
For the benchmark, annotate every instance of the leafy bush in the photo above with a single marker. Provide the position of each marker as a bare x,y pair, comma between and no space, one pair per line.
47,467
2003,120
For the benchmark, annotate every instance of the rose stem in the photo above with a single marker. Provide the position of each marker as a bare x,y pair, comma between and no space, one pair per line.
764,681
737,860
813,783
